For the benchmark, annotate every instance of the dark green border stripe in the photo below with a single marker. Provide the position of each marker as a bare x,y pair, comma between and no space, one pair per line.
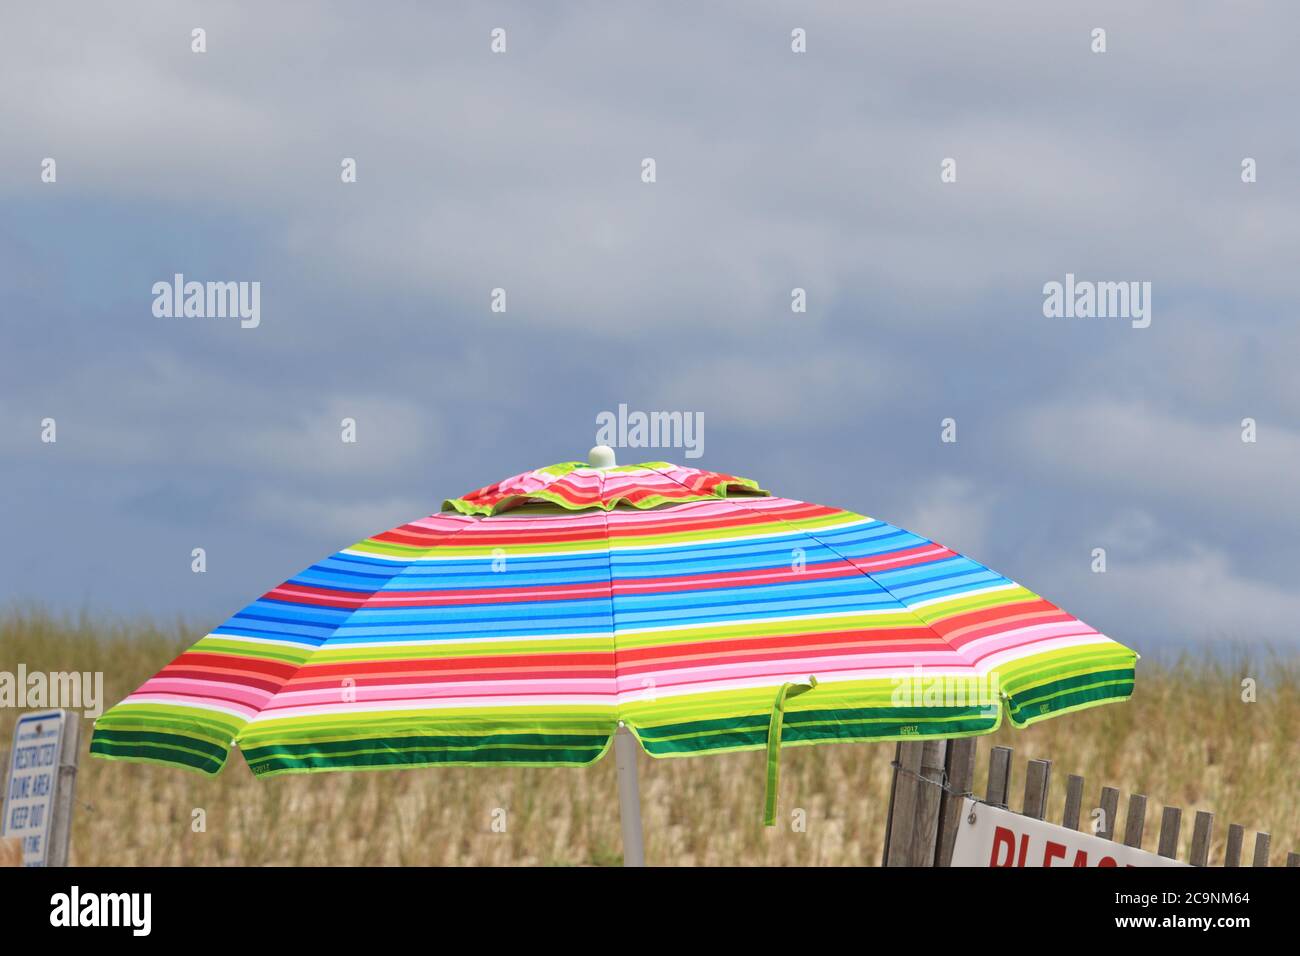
1043,707
1119,683
945,728
868,724
424,757
431,742
1078,680
128,738
758,721
901,714
852,719
706,742
157,753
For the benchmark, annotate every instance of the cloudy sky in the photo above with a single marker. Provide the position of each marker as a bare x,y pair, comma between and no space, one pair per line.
774,170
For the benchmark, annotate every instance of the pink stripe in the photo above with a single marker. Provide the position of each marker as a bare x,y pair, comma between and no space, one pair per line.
867,664
1025,638
209,690
198,703
512,690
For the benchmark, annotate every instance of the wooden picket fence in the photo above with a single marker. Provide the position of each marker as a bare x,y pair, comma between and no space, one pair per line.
924,813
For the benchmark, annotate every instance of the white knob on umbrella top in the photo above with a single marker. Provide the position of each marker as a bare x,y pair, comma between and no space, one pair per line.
602,456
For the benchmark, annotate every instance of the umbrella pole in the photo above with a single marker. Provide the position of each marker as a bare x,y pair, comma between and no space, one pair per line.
629,797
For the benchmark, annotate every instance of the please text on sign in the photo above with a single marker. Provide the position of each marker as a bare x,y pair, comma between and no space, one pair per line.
1001,838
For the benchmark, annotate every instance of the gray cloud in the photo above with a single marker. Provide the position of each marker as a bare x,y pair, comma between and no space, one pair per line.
775,171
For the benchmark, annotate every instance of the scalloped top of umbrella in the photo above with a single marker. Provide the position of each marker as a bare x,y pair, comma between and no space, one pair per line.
527,621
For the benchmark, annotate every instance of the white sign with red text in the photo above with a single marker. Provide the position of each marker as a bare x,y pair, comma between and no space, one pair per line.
1002,838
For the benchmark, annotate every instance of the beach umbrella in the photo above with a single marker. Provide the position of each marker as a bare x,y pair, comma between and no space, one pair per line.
537,620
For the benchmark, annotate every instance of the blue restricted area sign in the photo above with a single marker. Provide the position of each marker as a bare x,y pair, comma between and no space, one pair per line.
33,773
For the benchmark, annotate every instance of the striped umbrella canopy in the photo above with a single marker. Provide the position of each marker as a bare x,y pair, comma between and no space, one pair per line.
529,620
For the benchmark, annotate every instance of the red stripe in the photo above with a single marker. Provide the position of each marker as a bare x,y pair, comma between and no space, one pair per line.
790,645
318,672
855,649
757,576
289,593
921,554
209,678
380,680
523,695
482,535
995,619
317,597
643,524
250,665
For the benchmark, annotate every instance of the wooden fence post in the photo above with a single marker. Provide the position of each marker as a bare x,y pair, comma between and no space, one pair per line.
1038,779
893,792
1109,811
1261,850
1171,821
65,800
999,777
913,829
1232,852
1073,801
1136,822
1201,838
961,774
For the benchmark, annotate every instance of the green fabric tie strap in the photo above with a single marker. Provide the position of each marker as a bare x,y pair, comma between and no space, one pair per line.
774,745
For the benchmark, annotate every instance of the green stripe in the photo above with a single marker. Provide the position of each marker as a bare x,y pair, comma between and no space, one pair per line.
690,728
172,756
416,757
1089,696
1042,695
430,742
750,732
403,724
126,738
229,645
794,719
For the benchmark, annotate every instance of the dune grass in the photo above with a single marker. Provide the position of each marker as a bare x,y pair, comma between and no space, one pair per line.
1186,739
